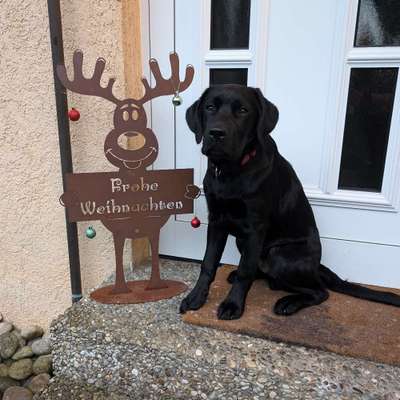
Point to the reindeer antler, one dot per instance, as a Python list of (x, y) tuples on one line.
[(90, 86), (166, 86)]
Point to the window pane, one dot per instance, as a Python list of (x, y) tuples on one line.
[(366, 132), (230, 23), (378, 23), (219, 76)]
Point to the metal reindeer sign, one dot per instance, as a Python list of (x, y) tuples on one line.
[(132, 202)]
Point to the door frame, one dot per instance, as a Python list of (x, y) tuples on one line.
[(345, 253)]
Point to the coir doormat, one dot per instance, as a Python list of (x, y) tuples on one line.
[(342, 324)]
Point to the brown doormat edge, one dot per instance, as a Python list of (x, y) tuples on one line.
[(343, 325)]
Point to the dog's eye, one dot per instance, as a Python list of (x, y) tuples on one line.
[(210, 107), (243, 110)]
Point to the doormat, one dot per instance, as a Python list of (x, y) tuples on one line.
[(343, 324)]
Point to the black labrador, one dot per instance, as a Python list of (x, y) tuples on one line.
[(254, 194)]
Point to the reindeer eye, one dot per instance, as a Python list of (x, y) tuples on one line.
[(135, 115), (125, 115)]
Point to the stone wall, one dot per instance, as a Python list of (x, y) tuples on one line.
[(34, 269)]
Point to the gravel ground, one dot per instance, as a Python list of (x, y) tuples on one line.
[(145, 351)]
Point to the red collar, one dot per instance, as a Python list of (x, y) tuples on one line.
[(246, 158)]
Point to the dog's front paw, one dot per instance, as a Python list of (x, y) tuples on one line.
[(194, 300), (229, 309)]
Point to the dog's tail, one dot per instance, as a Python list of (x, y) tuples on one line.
[(336, 284)]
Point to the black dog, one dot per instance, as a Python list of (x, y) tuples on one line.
[(254, 194)]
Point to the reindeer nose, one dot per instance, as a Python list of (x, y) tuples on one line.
[(131, 140), (217, 134)]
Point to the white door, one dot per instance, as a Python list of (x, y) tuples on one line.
[(331, 68)]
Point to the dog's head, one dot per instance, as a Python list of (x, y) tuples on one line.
[(231, 120)]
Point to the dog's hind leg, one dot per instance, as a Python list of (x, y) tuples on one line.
[(296, 270), (295, 302)]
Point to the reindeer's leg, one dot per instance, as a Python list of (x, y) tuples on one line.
[(120, 282), (155, 279)]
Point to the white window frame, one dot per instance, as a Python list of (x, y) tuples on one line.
[(327, 192)]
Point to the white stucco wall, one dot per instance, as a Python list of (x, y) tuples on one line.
[(34, 269)]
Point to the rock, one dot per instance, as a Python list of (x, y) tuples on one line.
[(392, 396), (38, 383), (198, 353), (31, 332), (22, 341), (25, 352), (6, 382), (8, 345), (5, 327), (3, 370), (21, 369), (42, 365), (41, 346), (250, 363), (231, 362), (17, 393)]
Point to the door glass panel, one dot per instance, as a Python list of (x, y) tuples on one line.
[(367, 126), (219, 76), (378, 23), (230, 23)]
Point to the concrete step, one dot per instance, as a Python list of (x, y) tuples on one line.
[(145, 351)]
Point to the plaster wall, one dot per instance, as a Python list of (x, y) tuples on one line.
[(34, 269)]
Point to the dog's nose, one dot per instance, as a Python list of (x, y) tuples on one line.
[(217, 134)]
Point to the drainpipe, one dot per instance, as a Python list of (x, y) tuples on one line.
[(57, 52)]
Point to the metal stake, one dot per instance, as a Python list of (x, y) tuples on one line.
[(57, 51)]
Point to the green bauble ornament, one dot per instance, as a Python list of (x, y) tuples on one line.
[(90, 232), (177, 100)]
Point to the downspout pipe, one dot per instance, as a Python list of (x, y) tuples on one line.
[(57, 52)]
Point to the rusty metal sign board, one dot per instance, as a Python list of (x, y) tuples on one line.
[(108, 195), (132, 202)]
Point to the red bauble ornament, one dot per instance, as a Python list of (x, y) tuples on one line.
[(74, 114), (195, 222)]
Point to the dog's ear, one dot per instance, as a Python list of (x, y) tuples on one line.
[(268, 116), (194, 118)]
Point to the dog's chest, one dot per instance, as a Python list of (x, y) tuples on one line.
[(226, 202), (233, 201), (227, 208)]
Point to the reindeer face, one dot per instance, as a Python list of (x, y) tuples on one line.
[(131, 145)]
